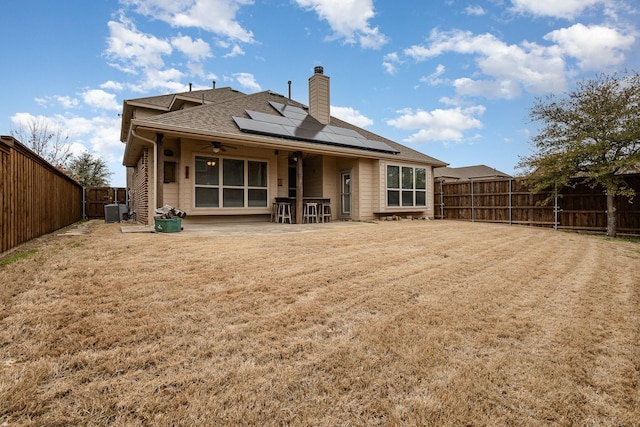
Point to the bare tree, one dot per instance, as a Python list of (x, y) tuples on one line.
[(48, 141)]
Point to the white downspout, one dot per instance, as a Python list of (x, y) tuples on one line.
[(155, 170)]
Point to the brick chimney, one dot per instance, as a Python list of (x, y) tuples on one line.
[(319, 96)]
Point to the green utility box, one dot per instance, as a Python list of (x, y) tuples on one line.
[(171, 225)]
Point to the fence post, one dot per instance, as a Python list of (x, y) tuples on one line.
[(555, 208), (510, 201), (473, 218), (441, 200), (84, 203)]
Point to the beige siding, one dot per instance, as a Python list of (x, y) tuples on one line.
[(143, 113), (277, 178), (171, 191), (171, 195), (366, 179), (282, 174), (430, 195), (344, 165), (426, 211), (313, 177), (330, 178), (321, 179)]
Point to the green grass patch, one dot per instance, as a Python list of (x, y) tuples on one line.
[(16, 257)]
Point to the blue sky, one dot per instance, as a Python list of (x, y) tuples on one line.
[(453, 79)]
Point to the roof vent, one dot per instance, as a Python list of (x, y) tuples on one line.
[(318, 69)]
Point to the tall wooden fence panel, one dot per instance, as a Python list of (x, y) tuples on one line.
[(510, 201), (35, 197)]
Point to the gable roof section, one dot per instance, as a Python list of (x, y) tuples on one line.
[(467, 173), (173, 102), (220, 117)]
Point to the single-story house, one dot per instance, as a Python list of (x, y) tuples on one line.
[(468, 173), (219, 154)]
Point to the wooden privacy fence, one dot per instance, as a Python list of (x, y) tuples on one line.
[(35, 197), (509, 201)]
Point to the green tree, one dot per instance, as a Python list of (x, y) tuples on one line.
[(89, 170), (592, 135)]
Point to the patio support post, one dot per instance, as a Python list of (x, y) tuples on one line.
[(299, 187), (160, 169)]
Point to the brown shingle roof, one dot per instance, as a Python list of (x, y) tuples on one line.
[(217, 116), (469, 172), (210, 95)]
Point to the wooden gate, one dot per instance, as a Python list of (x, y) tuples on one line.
[(97, 197)]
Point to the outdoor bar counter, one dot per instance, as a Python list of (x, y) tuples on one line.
[(323, 203)]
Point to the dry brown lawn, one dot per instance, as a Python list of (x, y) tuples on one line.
[(395, 323)]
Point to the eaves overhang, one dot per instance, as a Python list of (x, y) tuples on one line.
[(253, 140)]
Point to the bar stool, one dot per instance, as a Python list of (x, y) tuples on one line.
[(274, 212), (325, 213), (310, 213), (284, 212)]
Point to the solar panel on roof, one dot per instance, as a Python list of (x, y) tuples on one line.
[(295, 123), (255, 126), (270, 118)]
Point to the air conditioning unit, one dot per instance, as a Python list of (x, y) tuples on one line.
[(115, 212)]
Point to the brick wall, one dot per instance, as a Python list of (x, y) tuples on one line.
[(140, 189)]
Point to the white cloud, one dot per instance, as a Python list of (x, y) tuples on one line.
[(132, 49), (100, 99), (474, 10), (217, 16), (111, 85), (434, 78), (247, 80), (537, 69), (235, 51), (506, 89), (22, 120), (104, 138), (195, 50), (170, 80), (67, 102), (98, 134), (447, 125), (351, 115), (349, 20), (594, 47), (555, 8), (372, 38), (390, 62)]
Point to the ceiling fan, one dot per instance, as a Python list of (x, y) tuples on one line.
[(218, 146)]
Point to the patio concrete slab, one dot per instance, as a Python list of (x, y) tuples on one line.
[(190, 229)]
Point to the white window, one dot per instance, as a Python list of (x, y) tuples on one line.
[(406, 186), (230, 183)]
